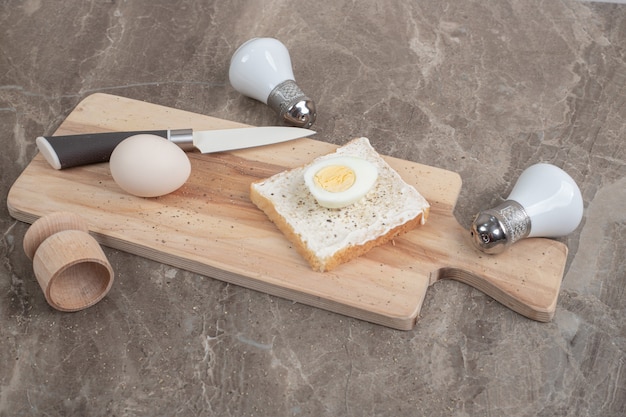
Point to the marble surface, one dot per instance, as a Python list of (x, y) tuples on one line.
[(482, 88)]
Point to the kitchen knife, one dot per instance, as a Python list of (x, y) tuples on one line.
[(91, 148)]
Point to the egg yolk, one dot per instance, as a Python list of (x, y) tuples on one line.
[(335, 178)]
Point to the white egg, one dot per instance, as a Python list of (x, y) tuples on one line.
[(149, 166), (340, 181)]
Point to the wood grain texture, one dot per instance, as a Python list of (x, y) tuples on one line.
[(71, 268), (47, 226), (209, 226)]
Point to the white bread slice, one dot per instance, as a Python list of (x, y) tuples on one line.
[(327, 237)]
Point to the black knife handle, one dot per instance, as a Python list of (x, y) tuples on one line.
[(74, 150)]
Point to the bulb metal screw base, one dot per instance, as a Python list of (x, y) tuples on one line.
[(292, 105), (495, 229)]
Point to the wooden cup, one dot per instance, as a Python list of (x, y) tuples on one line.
[(70, 266)]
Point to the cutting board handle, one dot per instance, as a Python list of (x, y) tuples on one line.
[(525, 278)]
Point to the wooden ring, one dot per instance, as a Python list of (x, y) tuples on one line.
[(71, 268)]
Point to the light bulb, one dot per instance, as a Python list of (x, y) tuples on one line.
[(545, 202), (261, 69)]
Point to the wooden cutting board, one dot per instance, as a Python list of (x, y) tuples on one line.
[(209, 226)]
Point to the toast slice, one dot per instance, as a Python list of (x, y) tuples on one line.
[(328, 237)]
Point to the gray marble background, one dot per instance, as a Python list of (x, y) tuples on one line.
[(484, 88)]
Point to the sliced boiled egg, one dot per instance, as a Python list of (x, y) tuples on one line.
[(340, 181)]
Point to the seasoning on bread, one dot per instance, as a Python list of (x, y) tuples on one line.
[(327, 237)]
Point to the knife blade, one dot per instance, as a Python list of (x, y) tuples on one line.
[(90, 148)]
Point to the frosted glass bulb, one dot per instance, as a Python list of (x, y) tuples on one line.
[(545, 202), (261, 69)]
